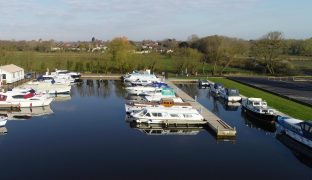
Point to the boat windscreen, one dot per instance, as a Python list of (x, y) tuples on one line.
[(233, 92)]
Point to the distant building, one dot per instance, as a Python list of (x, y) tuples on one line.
[(11, 73)]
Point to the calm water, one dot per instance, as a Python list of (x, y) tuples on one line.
[(87, 138)]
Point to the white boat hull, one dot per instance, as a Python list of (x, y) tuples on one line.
[(3, 121), (297, 137)]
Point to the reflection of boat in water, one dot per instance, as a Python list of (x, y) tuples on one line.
[(157, 129), (300, 151), (3, 130), (27, 113), (255, 123), (62, 97)]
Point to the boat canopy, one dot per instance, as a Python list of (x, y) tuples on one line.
[(167, 92), (232, 92)]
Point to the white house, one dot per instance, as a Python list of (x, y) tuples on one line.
[(11, 73)]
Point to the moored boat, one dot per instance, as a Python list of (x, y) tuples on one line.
[(257, 108), (3, 120), (216, 88), (21, 99), (165, 93), (162, 115), (299, 130), (133, 106), (231, 95)]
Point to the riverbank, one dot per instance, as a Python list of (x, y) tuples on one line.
[(286, 106)]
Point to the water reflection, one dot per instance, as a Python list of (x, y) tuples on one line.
[(255, 123), (300, 151), (62, 97), (158, 129), (3, 131), (100, 88), (27, 113)]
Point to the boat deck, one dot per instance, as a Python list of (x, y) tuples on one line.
[(221, 128)]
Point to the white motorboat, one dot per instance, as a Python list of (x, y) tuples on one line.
[(145, 90), (74, 75), (55, 79), (299, 130), (60, 76), (22, 99), (231, 95), (141, 76), (165, 93), (258, 109), (203, 83), (3, 120), (162, 115), (133, 106), (141, 90)]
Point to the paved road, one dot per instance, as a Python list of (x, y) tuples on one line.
[(300, 91)]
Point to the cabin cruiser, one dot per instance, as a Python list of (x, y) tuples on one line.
[(216, 88), (136, 76), (60, 76), (53, 80), (203, 83), (140, 82), (3, 120), (164, 93), (133, 106), (74, 75), (297, 129), (258, 109), (231, 95), (46, 87), (143, 90), (22, 99), (162, 115)]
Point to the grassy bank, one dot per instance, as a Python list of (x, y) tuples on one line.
[(284, 105)]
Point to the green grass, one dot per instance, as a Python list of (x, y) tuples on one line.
[(286, 106), (40, 61)]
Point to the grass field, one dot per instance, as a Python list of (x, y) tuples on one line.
[(95, 62), (286, 106)]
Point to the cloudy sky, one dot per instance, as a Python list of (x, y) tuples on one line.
[(152, 19)]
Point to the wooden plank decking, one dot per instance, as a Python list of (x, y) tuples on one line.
[(221, 128)]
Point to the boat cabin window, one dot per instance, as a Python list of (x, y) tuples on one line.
[(256, 103), (157, 114), (18, 97), (187, 115), (148, 115), (174, 115)]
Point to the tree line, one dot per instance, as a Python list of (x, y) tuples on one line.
[(212, 54)]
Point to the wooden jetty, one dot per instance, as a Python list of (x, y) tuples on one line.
[(221, 128)]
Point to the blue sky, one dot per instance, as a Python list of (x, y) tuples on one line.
[(72, 20)]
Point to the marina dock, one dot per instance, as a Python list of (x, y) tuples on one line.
[(221, 128)]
